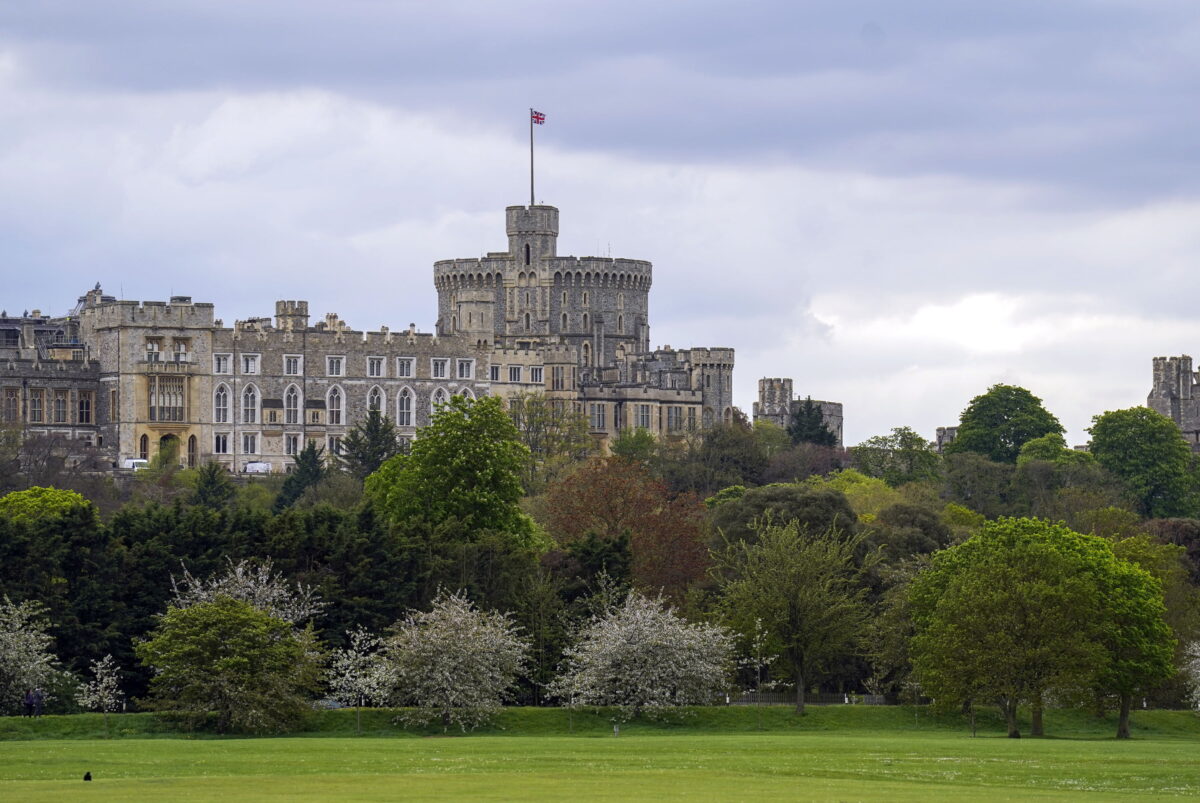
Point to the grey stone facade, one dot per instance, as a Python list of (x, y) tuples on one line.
[(154, 374), (776, 403), (1176, 394)]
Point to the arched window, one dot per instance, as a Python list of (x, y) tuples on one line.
[(375, 399), (564, 322), (404, 408), (250, 405), (144, 447), (527, 298), (564, 301), (587, 354), (585, 322), (221, 405), (453, 323), (527, 322), (620, 324), (466, 393), (585, 298), (333, 404), (620, 301), (526, 253), (191, 453), (440, 397), (291, 405)]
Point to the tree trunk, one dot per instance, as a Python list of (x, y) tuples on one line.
[(1009, 707), (1035, 727), (358, 718), (1123, 719), (799, 693)]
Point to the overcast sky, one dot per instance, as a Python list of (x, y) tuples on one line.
[(895, 203)]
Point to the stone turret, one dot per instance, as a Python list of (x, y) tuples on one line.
[(1174, 395), (291, 316)]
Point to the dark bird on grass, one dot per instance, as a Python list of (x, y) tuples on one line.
[(87, 776)]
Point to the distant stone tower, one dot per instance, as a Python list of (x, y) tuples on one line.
[(1175, 395), (776, 404), (529, 295)]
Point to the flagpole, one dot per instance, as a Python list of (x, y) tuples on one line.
[(531, 156)]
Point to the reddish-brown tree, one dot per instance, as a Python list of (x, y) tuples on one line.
[(608, 497)]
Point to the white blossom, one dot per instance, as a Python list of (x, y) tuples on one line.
[(26, 661), (644, 659), (359, 674), (454, 663), (254, 584), (103, 692), (1191, 671)]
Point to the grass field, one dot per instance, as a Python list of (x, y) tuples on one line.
[(832, 754)]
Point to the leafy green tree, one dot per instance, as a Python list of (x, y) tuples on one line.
[(466, 465), (555, 433), (213, 487), (899, 457), (978, 483), (999, 422), (730, 454), (226, 657), (636, 445), (307, 471), (804, 589), (807, 425), (816, 509), (1148, 452), (368, 444)]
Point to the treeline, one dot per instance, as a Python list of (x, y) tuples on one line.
[(731, 526)]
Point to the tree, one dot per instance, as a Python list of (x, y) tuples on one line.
[(978, 483), (635, 445), (815, 509), (252, 670), (103, 692), (213, 487), (466, 465), (807, 425), (643, 658), (1148, 452), (357, 674), (252, 583), (26, 660), (998, 423), (612, 499), (308, 470), (369, 443), (805, 588), (900, 457), (555, 433), (454, 663)]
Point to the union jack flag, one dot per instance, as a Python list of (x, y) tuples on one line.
[(538, 117)]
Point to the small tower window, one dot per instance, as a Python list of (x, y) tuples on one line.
[(527, 322), (585, 322), (564, 322), (526, 253)]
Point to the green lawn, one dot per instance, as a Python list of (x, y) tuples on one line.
[(837, 754)]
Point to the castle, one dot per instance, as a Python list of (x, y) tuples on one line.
[(776, 403), (123, 380), (1176, 394)]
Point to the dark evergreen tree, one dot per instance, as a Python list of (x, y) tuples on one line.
[(308, 471), (213, 487), (368, 444), (807, 425)]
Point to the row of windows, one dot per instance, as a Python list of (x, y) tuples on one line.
[(598, 417), (293, 365), (249, 410), (515, 372), (49, 406)]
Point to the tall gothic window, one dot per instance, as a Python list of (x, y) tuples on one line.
[(291, 406), (221, 405), (334, 405), (440, 397), (375, 399), (404, 408), (250, 405)]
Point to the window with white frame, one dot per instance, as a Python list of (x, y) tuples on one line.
[(374, 366), (674, 419), (333, 365), (335, 444), (293, 364), (291, 444), (250, 405), (333, 405), (404, 408), (250, 363), (291, 405), (221, 443), (599, 419), (221, 405), (222, 363), (643, 416), (440, 397), (249, 443), (153, 351), (466, 369), (437, 368), (535, 375), (375, 400), (404, 367), (514, 373), (494, 373)]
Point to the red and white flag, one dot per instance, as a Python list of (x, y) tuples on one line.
[(537, 117)]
